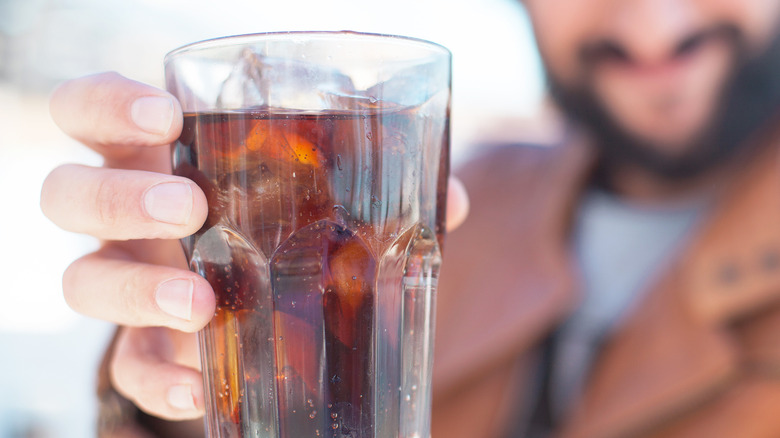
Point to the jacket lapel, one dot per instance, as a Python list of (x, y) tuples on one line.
[(677, 349), (510, 280)]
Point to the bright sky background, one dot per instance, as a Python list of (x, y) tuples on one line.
[(50, 353), (496, 69)]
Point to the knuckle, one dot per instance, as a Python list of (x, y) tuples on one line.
[(105, 94), (102, 87), (87, 94), (134, 291), (108, 204)]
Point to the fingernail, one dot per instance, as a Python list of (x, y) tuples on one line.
[(153, 114), (180, 397), (169, 202), (174, 297)]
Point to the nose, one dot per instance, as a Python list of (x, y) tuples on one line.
[(651, 30)]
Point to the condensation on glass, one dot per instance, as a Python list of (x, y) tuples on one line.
[(324, 159)]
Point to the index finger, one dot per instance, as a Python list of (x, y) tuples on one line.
[(116, 116)]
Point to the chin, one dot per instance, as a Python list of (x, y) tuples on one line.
[(680, 144)]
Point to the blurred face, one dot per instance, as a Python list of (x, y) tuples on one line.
[(655, 75)]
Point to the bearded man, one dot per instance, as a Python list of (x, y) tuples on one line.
[(622, 283), (626, 282)]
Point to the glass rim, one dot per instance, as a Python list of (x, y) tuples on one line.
[(235, 40)]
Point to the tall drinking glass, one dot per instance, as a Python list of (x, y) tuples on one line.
[(324, 158)]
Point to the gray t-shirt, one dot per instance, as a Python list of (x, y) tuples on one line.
[(620, 247)]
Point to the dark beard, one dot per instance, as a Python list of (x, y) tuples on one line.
[(750, 99)]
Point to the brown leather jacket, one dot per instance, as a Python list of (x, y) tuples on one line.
[(700, 357)]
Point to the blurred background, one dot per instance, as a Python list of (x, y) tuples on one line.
[(48, 353)]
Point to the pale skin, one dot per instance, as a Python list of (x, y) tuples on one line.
[(138, 278)]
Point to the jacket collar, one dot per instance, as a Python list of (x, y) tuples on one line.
[(510, 281), (735, 263), (675, 349)]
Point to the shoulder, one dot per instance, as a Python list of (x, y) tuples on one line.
[(512, 170), (492, 158)]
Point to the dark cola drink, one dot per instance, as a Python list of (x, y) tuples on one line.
[(322, 244)]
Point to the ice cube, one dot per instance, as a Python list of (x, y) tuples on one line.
[(258, 80), (412, 86), (349, 101), (242, 86), (330, 258)]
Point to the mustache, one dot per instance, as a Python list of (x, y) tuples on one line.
[(610, 50), (749, 101)]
